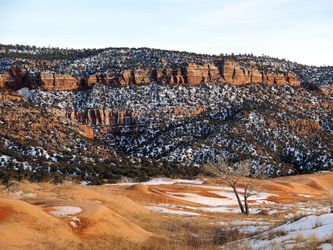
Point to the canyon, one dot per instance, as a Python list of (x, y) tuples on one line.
[(159, 112)]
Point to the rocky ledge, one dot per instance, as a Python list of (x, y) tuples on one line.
[(225, 71)]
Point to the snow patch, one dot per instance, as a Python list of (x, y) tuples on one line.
[(320, 227), (160, 181), (169, 211), (62, 211), (24, 92)]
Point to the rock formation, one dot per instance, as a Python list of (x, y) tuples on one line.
[(49, 81), (14, 78), (226, 71), (233, 74), (103, 117)]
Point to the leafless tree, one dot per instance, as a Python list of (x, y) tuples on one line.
[(239, 175)]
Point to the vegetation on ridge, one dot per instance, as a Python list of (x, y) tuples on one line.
[(161, 130)]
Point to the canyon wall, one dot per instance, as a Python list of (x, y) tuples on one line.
[(103, 117), (109, 117), (226, 71)]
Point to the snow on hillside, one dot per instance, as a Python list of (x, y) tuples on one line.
[(264, 123), (315, 229), (286, 129)]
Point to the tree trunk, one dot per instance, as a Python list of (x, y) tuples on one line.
[(246, 205), (239, 200)]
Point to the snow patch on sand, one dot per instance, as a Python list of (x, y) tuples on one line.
[(169, 211), (62, 211), (227, 198), (159, 181)]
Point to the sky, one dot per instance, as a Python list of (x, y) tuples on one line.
[(297, 30)]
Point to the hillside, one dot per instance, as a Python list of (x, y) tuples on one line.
[(177, 109), (38, 146)]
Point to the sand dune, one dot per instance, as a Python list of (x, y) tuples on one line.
[(49, 215), (314, 184), (24, 224), (39, 223)]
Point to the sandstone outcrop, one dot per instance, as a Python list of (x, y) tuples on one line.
[(14, 78), (226, 71), (18, 77), (49, 81), (109, 117), (233, 74), (103, 117)]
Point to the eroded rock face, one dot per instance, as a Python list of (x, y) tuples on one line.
[(233, 74), (17, 78), (103, 117), (109, 117), (227, 71), (49, 81), (14, 78)]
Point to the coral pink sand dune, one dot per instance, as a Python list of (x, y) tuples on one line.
[(23, 224), (313, 184), (46, 215), (51, 220)]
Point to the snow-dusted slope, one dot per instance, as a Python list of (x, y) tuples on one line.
[(284, 128), (310, 230), (288, 129)]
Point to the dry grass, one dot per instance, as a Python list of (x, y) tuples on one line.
[(313, 242), (300, 239), (310, 243), (193, 233)]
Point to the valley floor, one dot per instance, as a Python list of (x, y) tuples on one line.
[(289, 213)]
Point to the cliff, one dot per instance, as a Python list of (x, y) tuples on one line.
[(226, 71), (18, 77), (108, 117), (103, 117), (233, 74)]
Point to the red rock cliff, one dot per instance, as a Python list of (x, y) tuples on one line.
[(226, 71), (233, 74), (103, 117)]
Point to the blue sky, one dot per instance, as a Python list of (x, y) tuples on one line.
[(298, 30)]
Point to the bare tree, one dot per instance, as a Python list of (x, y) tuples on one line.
[(236, 175)]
